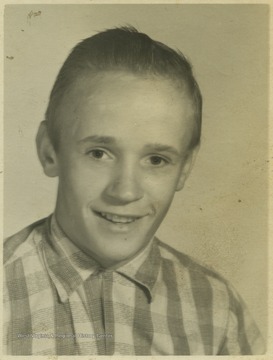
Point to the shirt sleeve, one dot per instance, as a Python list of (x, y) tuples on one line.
[(242, 334)]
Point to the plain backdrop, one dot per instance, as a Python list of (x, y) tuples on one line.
[(220, 217)]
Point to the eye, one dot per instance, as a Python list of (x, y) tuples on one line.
[(97, 154), (157, 160)]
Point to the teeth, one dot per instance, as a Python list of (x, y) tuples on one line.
[(117, 218)]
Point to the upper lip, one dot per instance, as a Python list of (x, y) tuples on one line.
[(117, 219), (136, 216)]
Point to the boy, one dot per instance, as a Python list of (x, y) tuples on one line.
[(122, 130)]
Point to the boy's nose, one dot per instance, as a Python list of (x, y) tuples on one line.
[(125, 185)]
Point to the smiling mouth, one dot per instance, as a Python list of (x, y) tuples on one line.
[(117, 219)]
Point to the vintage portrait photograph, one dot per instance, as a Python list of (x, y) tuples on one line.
[(135, 179)]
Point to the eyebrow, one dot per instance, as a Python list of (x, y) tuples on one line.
[(98, 139), (162, 148)]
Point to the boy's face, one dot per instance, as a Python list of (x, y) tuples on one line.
[(122, 156)]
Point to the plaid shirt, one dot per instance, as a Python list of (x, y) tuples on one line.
[(58, 301)]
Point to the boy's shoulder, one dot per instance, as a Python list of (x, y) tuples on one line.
[(196, 270), (19, 244)]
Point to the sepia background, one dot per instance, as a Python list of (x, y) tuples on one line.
[(220, 217)]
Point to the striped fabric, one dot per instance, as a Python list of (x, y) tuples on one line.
[(58, 301)]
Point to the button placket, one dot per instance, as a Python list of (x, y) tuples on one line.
[(108, 311)]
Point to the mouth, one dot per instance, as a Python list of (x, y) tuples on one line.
[(117, 219)]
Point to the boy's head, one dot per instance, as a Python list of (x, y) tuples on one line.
[(122, 127), (122, 50)]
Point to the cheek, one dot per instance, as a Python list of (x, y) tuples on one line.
[(162, 186), (77, 174), (161, 195)]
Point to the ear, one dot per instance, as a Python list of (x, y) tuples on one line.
[(186, 169), (46, 152)]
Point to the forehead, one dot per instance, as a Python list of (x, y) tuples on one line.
[(115, 82), (116, 99)]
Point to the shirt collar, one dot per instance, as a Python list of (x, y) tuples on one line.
[(68, 266)]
